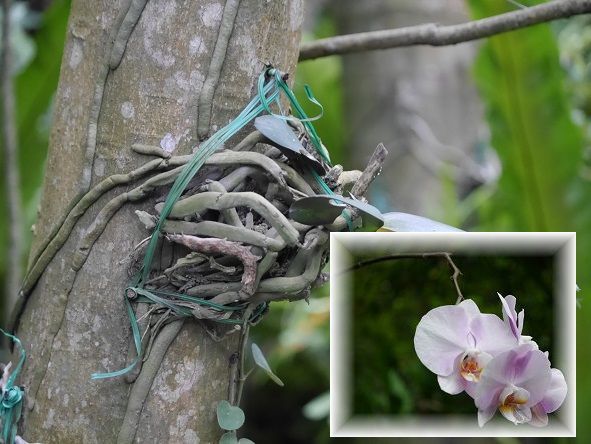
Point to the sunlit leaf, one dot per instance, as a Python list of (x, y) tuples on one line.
[(230, 417), (412, 222), (261, 361)]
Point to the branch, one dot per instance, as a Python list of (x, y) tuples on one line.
[(434, 34), (447, 256)]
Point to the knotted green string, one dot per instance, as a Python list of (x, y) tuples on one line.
[(12, 396)]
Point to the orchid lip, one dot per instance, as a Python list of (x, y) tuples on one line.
[(472, 364), (513, 402)]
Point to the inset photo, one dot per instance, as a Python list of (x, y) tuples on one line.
[(452, 334)]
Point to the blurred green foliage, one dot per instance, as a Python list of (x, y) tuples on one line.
[(35, 83), (389, 299), (531, 101)]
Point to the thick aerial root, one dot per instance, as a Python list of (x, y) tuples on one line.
[(201, 202), (144, 381)]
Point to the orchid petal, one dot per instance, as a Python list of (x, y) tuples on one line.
[(532, 372), (522, 367), (441, 336), (492, 335), (509, 314), (556, 392), (452, 384), (488, 391), (485, 415), (539, 418), (515, 395), (516, 414), (520, 320)]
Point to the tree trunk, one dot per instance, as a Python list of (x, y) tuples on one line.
[(420, 102), (74, 322)]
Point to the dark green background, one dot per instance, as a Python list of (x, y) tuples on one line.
[(389, 299)]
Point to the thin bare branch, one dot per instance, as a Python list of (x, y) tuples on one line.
[(454, 277), (434, 34)]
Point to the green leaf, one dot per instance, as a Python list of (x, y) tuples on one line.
[(229, 438), (412, 222), (318, 408), (245, 441), (230, 417), (324, 209), (316, 211), (521, 81), (399, 389), (260, 360)]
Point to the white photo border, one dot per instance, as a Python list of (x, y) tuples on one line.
[(562, 246)]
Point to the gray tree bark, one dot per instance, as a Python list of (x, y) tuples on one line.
[(420, 102), (75, 323)]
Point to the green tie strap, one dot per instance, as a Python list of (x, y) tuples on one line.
[(12, 396)]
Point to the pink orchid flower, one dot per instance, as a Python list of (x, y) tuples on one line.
[(514, 382), (456, 342), (553, 399)]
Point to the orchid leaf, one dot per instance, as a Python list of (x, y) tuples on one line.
[(230, 417), (261, 361), (316, 210), (411, 222), (278, 132), (283, 137), (324, 209)]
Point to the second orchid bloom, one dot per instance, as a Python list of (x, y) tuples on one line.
[(491, 360)]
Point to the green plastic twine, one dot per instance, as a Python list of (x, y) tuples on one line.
[(12, 396), (211, 145), (307, 122)]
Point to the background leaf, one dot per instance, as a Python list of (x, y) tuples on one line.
[(260, 360), (319, 407)]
